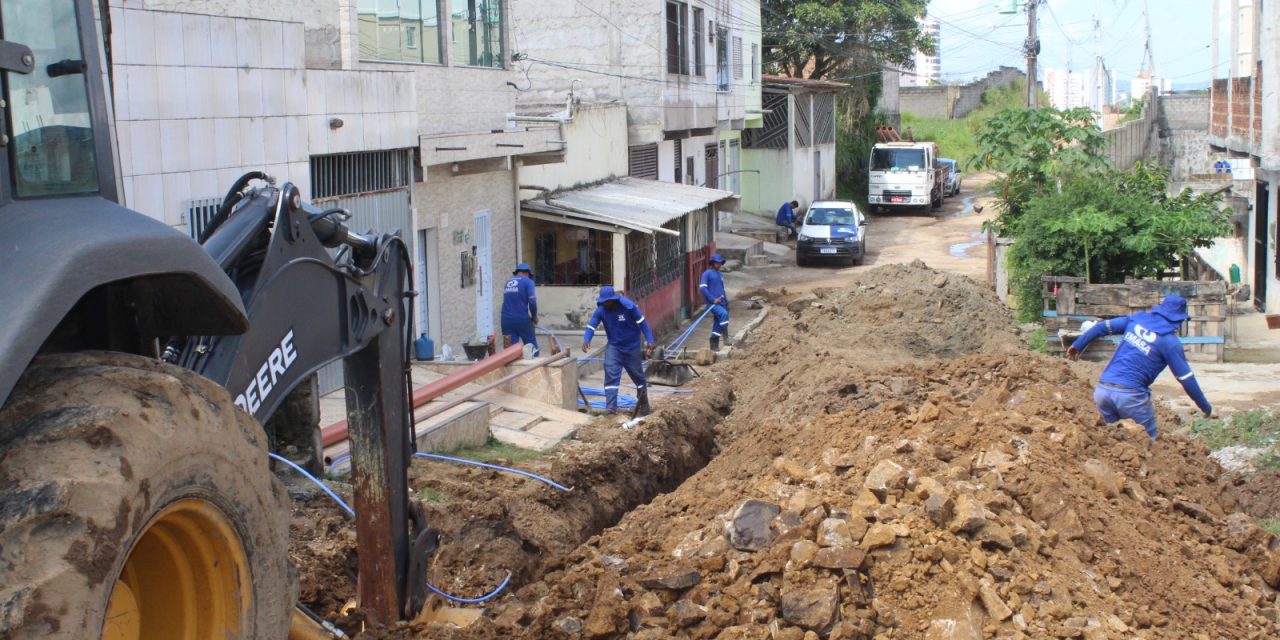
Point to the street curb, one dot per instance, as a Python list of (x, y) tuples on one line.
[(742, 333)]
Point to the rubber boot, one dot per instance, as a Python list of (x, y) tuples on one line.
[(715, 343), (727, 341), (642, 403)]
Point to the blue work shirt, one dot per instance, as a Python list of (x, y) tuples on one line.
[(625, 325), (1149, 344), (519, 300), (712, 287), (786, 215)]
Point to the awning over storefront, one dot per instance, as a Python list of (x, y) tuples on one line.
[(635, 204)]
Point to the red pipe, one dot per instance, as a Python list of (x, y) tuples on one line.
[(337, 432)]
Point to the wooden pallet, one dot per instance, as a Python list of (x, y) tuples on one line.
[(1069, 301)]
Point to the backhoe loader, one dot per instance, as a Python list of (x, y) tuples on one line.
[(139, 366)]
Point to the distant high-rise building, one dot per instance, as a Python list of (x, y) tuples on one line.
[(928, 68)]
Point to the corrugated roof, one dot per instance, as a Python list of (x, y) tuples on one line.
[(804, 84), (634, 203)]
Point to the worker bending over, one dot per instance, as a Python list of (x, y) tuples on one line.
[(712, 288), (520, 307), (786, 218), (629, 341), (1150, 343)]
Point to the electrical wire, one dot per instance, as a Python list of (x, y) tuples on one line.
[(342, 503), (492, 467)]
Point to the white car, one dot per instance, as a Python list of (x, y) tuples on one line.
[(833, 229), (952, 187)]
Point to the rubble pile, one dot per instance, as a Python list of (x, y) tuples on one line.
[(987, 503)]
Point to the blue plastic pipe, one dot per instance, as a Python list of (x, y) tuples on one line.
[(494, 467), (351, 512)]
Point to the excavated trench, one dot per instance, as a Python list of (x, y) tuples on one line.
[(495, 524)]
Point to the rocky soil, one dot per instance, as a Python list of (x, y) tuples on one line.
[(892, 465)]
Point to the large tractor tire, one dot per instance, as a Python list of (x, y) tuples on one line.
[(136, 503)]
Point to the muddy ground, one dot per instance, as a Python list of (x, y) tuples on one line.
[(882, 460)]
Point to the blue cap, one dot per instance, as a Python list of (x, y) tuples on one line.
[(1173, 308), (523, 266), (715, 257), (606, 294)]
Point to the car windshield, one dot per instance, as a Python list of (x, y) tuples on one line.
[(897, 159), (829, 217), (950, 163)]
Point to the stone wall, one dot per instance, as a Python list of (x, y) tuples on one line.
[(953, 100), (1185, 140)]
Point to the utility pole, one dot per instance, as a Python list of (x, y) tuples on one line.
[(1098, 71), (1032, 48)]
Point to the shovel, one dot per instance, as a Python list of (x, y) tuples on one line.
[(662, 371)]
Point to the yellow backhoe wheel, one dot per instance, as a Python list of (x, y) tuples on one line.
[(136, 504)]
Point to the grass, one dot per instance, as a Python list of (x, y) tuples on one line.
[(1271, 526), (428, 494), (1036, 341), (957, 138), (1254, 428), (494, 450)]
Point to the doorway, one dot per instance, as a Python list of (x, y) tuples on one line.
[(1261, 241), (484, 275)]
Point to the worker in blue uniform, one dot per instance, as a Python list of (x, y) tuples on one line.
[(1150, 343), (629, 341), (520, 307), (712, 288), (786, 217)]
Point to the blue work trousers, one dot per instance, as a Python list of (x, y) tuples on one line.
[(720, 321), (615, 360), (521, 330), (1116, 404)]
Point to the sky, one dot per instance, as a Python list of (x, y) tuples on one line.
[(976, 38)]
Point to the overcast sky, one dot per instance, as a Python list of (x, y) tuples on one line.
[(976, 38)]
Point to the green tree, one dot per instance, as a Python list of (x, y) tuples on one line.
[(1035, 149), (1105, 226), (806, 39)]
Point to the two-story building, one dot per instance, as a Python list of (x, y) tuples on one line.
[(1244, 138)]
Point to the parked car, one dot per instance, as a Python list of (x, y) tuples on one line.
[(833, 229), (952, 187)]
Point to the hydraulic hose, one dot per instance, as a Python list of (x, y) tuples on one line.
[(459, 599), (229, 202)]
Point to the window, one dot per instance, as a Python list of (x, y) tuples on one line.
[(737, 58), (688, 171), (699, 49), (52, 153), (889, 159), (477, 33), (399, 30), (679, 162), (678, 38), (642, 161), (722, 59), (755, 62)]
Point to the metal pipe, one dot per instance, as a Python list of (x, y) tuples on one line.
[(337, 432), (421, 416)]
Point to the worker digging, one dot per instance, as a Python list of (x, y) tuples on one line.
[(520, 307), (1150, 344), (712, 288), (629, 341)]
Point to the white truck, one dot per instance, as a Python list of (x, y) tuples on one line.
[(905, 174)]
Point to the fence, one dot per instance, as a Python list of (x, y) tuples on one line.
[(1069, 302)]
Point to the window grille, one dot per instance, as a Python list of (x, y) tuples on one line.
[(642, 161), (824, 118), (773, 135), (737, 58), (803, 123), (199, 212), (345, 174)]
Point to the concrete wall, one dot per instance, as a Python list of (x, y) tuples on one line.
[(447, 203), (567, 307), (775, 179), (322, 35), (1185, 148), (200, 100), (695, 148), (596, 150), (953, 100), (1132, 141), (803, 170)]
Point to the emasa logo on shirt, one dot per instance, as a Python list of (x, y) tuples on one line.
[(1141, 338)]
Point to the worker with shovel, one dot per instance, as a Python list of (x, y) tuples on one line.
[(712, 288), (520, 307), (630, 341), (1150, 344)]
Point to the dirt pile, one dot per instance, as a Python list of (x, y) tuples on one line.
[(984, 501)]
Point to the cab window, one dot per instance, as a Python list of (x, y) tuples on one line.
[(51, 149)]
